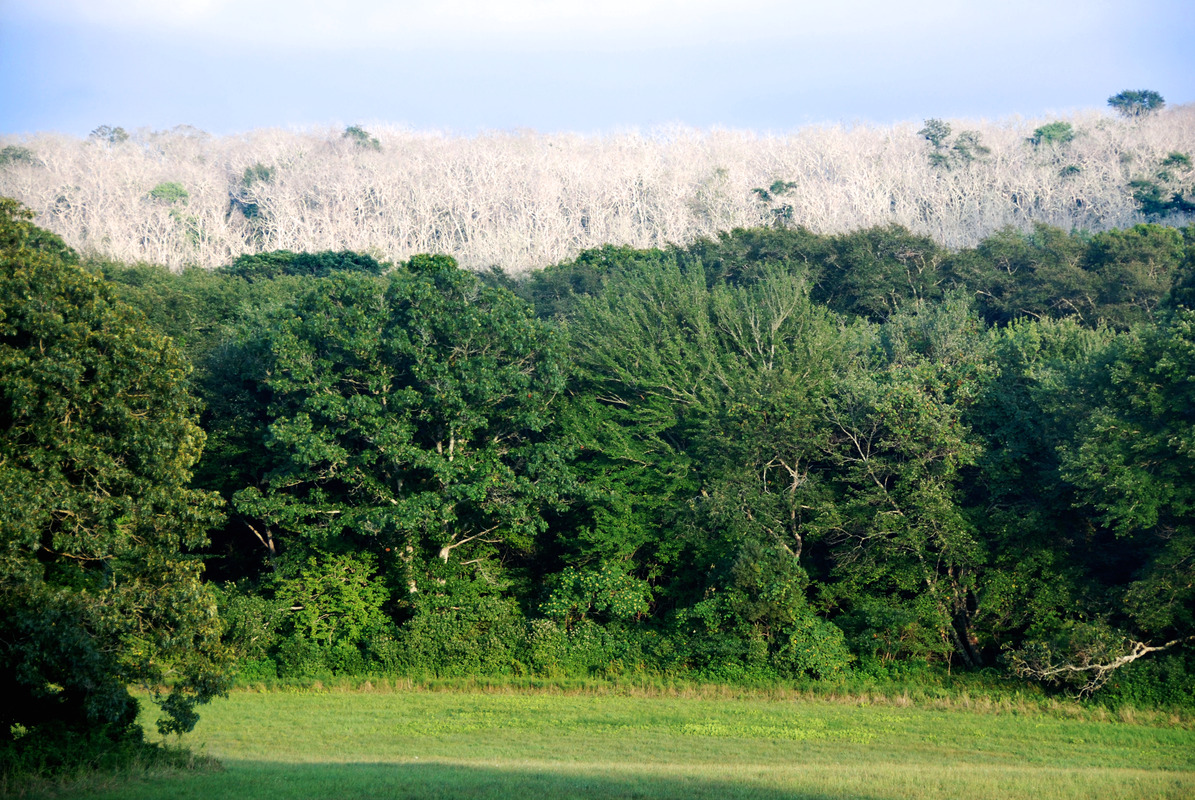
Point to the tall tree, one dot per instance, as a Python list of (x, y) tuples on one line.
[(1134, 103), (897, 525), (405, 417), (98, 434)]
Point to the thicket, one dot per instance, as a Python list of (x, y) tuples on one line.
[(771, 455), (522, 201)]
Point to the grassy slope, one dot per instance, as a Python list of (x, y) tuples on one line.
[(441, 745)]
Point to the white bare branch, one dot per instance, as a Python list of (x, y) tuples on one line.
[(523, 200)]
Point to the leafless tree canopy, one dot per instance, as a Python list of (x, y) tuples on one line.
[(525, 200)]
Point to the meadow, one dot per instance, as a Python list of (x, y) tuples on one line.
[(367, 743)]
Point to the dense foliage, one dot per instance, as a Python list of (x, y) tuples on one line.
[(100, 586), (770, 455)]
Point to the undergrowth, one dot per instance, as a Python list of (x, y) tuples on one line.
[(68, 769)]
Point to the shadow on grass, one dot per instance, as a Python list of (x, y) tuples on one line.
[(257, 780)]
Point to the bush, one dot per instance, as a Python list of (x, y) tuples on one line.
[(608, 592), (255, 670), (1166, 682), (485, 638), (300, 658), (812, 646)]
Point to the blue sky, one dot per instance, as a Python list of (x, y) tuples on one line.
[(570, 65)]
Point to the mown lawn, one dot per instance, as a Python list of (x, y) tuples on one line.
[(414, 744)]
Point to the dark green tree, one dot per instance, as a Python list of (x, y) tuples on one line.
[(1040, 561), (109, 134), (1134, 269), (404, 417), (1052, 133), (875, 272), (1136, 103), (98, 585), (277, 263), (965, 148), (1131, 459), (16, 154), (1040, 274), (1169, 190), (897, 525), (362, 138), (699, 436)]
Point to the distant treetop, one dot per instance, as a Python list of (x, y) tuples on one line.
[(362, 138), (109, 134), (1137, 103)]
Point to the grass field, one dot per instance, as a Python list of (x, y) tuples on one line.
[(419, 744)]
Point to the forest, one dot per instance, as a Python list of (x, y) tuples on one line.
[(775, 454), (770, 455)]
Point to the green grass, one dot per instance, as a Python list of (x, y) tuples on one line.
[(522, 745)]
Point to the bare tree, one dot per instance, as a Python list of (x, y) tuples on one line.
[(1084, 658), (524, 200)]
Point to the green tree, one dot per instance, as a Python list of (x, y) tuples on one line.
[(780, 212), (16, 154), (965, 148), (1169, 190), (405, 416), (362, 138), (936, 132), (1039, 570), (873, 273), (98, 587), (1129, 455), (276, 263), (109, 134), (1052, 133), (1134, 269), (897, 525), (170, 192), (1136, 103), (1035, 275), (698, 437)]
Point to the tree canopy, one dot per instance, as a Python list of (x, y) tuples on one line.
[(1136, 102), (767, 455), (100, 579)]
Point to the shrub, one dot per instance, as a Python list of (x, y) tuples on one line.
[(485, 638)]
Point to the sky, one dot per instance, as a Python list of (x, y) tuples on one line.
[(589, 66)]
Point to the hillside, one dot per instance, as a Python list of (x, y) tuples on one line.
[(523, 200)]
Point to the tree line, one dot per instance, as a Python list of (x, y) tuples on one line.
[(770, 455)]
